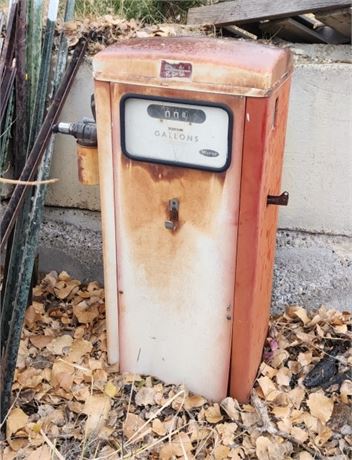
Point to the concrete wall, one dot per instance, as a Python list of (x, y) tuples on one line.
[(318, 158)]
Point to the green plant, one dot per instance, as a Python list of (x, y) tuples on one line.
[(150, 11)]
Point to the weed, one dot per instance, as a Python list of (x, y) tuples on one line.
[(149, 11)]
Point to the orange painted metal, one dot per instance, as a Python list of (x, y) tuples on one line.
[(263, 147), (88, 169)]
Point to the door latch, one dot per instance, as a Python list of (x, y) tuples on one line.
[(174, 205), (278, 200)]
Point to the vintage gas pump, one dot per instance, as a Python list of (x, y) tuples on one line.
[(191, 136)]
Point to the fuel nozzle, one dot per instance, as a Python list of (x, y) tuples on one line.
[(84, 131)]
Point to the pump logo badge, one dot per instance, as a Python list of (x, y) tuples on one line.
[(175, 69), (209, 153)]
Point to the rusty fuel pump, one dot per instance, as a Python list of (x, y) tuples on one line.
[(191, 135)]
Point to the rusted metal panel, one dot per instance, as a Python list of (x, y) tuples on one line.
[(264, 137), (103, 116), (195, 64), (175, 288), (88, 169)]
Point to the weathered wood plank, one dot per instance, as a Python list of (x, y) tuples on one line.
[(242, 11), (327, 33), (292, 30), (238, 32), (339, 20)]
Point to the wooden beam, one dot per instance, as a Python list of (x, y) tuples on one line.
[(238, 32), (242, 11), (291, 29), (339, 20)]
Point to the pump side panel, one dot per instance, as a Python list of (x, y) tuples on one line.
[(263, 149), (102, 99), (176, 288)]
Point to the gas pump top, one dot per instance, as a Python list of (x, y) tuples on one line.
[(222, 65)]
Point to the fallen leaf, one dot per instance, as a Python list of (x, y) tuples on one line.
[(193, 401), (312, 423), (132, 425), (281, 411), (267, 386), (57, 345), (42, 453), (341, 329), (267, 370), (296, 396), (221, 452), (158, 427), (213, 414), (97, 408), (299, 434), (62, 291), (145, 396), (305, 456), (320, 406), (33, 314), (271, 449), (18, 443), (16, 420), (283, 376), (231, 407), (79, 348), (108, 453), (323, 436), (179, 445), (305, 358), (299, 312), (40, 341), (238, 453), (8, 454), (30, 377), (280, 356), (249, 418), (110, 389), (62, 375), (22, 355), (227, 432), (346, 391), (85, 313)]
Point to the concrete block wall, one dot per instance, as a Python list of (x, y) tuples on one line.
[(314, 246), (318, 154)]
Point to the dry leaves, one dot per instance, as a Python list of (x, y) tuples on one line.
[(68, 398), (97, 408), (108, 29)]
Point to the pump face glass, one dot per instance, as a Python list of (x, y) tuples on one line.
[(175, 132)]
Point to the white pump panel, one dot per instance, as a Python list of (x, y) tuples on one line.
[(171, 132)]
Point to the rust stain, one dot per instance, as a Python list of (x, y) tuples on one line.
[(88, 169), (144, 191)]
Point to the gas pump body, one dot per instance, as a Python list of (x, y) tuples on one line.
[(191, 137)]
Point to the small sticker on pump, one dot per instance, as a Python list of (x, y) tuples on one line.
[(175, 69)]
